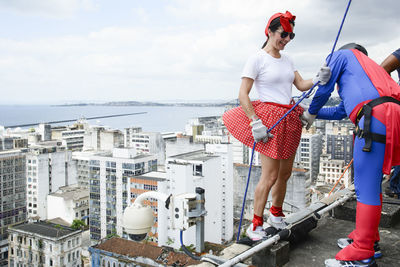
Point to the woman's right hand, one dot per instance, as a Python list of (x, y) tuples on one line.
[(260, 131)]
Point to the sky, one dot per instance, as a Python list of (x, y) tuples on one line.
[(74, 51)]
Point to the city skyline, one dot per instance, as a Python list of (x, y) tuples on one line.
[(73, 51)]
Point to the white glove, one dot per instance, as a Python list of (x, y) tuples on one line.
[(259, 131), (307, 119), (323, 75)]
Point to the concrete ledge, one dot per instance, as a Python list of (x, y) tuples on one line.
[(277, 255), (390, 212)]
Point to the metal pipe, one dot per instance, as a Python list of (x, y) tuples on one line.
[(283, 233)]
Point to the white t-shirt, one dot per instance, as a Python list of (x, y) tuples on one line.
[(273, 77)]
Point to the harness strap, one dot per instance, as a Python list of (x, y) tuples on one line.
[(366, 111)]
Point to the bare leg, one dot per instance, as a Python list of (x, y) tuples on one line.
[(269, 175), (278, 191)]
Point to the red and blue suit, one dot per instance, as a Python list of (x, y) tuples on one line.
[(360, 80)]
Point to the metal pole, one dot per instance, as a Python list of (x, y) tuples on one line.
[(200, 220)]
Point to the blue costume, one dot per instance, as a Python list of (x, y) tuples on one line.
[(359, 81)]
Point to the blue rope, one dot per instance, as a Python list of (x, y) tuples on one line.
[(304, 95), (245, 192)]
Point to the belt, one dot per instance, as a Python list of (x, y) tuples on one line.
[(366, 111)]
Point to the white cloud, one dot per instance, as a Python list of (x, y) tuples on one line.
[(48, 8), (199, 56)]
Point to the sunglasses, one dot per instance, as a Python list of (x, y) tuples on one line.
[(285, 34)]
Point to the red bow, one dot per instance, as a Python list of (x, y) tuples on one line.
[(284, 19)]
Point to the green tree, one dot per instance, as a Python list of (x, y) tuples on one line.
[(78, 224)]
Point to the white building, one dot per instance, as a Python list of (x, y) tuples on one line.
[(69, 203), (145, 142), (44, 244), (101, 138), (331, 170), (109, 188), (308, 153), (48, 167), (213, 173)]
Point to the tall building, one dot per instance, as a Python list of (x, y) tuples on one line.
[(109, 188), (209, 171), (44, 244), (308, 153), (12, 195), (48, 167), (69, 203)]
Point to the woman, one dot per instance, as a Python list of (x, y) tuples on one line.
[(272, 74)]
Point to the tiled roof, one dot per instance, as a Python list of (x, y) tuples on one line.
[(133, 249), (45, 229)]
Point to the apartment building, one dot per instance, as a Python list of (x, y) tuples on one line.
[(109, 188), (49, 166), (151, 181), (12, 195), (308, 153)]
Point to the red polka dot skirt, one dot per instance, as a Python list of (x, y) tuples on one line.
[(286, 134)]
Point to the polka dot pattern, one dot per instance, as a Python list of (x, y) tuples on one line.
[(287, 133)]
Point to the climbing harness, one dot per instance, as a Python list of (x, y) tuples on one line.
[(366, 111), (304, 95)]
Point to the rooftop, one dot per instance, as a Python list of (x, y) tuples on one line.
[(71, 192), (44, 228), (164, 256), (321, 244), (199, 155), (157, 176)]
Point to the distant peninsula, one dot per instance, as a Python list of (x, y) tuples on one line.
[(333, 101), (142, 104)]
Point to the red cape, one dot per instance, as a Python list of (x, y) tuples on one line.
[(387, 113)]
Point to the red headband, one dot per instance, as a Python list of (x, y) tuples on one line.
[(284, 19)]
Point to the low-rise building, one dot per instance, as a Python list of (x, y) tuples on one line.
[(124, 253), (69, 203), (44, 244)]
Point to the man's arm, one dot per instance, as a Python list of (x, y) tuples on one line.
[(392, 62)]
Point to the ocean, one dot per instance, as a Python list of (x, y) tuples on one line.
[(157, 119)]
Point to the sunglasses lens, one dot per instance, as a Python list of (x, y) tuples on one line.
[(292, 35), (284, 34)]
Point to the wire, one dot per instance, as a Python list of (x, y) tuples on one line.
[(337, 182)]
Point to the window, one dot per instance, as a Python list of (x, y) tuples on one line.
[(197, 170)]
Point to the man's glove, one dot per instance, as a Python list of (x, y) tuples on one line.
[(307, 119), (323, 75), (259, 131)]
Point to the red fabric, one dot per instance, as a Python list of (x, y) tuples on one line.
[(352, 235), (277, 211), (364, 236), (284, 20), (286, 134), (257, 221), (387, 113)]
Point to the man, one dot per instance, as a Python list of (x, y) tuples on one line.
[(390, 64), (370, 98)]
